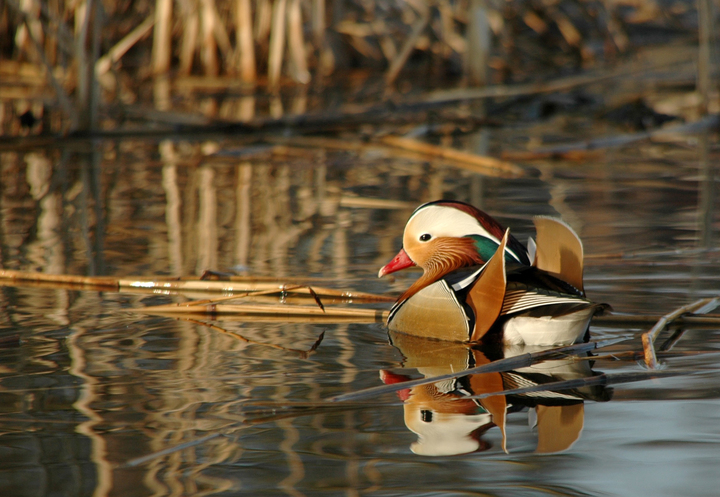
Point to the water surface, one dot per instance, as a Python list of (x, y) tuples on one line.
[(93, 383)]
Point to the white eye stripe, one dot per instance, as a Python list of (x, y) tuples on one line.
[(446, 221)]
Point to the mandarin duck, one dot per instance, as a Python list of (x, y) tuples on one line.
[(479, 283)]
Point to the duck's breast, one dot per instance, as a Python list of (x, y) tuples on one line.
[(433, 312)]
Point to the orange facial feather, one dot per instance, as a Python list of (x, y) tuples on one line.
[(439, 257)]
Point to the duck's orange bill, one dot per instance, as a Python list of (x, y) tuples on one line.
[(400, 261)]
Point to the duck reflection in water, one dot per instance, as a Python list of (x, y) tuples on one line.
[(451, 417)]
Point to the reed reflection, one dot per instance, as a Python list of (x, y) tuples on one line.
[(453, 416)]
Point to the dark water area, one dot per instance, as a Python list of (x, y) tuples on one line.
[(93, 383)]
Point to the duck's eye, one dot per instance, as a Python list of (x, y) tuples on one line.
[(426, 416), (425, 237)]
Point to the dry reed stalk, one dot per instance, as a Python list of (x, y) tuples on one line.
[(244, 41), (279, 312), (82, 92), (30, 27), (240, 285), (296, 44), (706, 27), (387, 45), (162, 36), (570, 155), (277, 43), (63, 98), (701, 306), (208, 48), (219, 31), (479, 43), (263, 21), (106, 282), (321, 142), (255, 294), (317, 22), (456, 155), (567, 28), (399, 61), (189, 35), (120, 48)]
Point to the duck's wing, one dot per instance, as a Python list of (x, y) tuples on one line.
[(486, 296), (522, 297), (559, 251), (540, 309)]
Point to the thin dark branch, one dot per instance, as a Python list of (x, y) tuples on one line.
[(501, 365)]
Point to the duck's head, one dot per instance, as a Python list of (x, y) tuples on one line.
[(446, 235)]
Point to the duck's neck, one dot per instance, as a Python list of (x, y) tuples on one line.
[(449, 255)]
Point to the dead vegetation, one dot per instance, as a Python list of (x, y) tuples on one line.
[(74, 66)]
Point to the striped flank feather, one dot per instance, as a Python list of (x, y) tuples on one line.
[(524, 299)]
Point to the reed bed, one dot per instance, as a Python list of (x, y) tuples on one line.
[(63, 63)]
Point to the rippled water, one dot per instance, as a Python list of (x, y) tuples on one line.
[(93, 383)]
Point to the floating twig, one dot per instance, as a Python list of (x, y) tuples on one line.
[(277, 312), (648, 338)]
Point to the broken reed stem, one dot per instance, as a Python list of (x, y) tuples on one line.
[(189, 36), (648, 338), (296, 44), (162, 36), (244, 41), (399, 61), (116, 52), (208, 47), (705, 60), (277, 44)]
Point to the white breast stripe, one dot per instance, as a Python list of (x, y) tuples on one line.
[(523, 300), (467, 281)]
